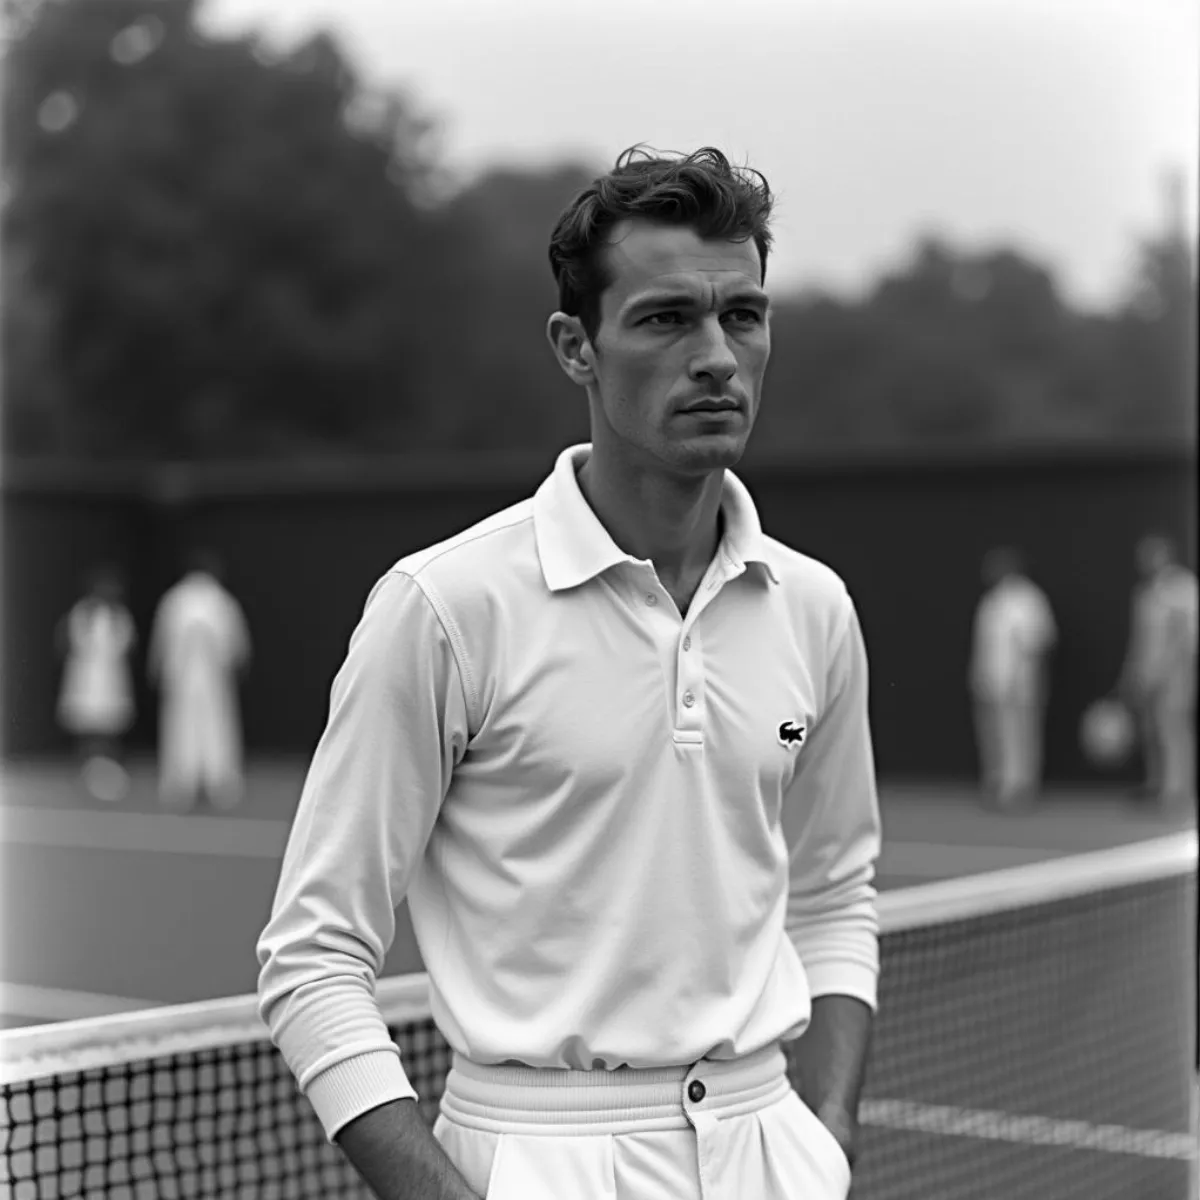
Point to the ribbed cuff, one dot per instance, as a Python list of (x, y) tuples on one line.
[(844, 979), (357, 1085)]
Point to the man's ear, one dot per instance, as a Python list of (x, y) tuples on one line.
[(572, 348)]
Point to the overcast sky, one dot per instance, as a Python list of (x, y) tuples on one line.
[(1048, 123)]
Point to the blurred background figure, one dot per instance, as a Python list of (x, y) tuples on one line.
[(1158, 678), (96, 705), (199, 646), (1014, 634)]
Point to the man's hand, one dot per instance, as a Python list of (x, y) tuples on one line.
[(394, 1150), (844, 1129), (828, 1064)]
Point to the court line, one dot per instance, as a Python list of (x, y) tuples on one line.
[(63, 1004), (154, 833), (1021, 1130), (264, 838)]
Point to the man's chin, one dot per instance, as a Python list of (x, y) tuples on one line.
[(713, 452)]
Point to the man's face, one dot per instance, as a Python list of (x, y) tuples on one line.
[(681, 347)]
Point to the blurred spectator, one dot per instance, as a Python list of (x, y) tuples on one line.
[(96, 705), (1009, 678), (1158, 678), (199, 645)]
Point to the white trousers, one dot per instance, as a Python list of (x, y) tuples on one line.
[(1009, 734), (713, 1131), (200, 749), (1167, 718)]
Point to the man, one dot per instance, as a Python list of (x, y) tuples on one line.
[(1158, 678), (612, 745), (1009, 678), (96, 703), (199, 646)]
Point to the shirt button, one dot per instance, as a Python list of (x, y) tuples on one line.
[(651, 599), (688, 699), (696, 1091), (687, 642)]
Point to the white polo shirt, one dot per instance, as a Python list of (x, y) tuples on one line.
[(1164, 629), (1014, 631), (625, 837)]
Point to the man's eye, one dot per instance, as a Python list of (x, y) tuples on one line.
[(746, 316), (663, 318)]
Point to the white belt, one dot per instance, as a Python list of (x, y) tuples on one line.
[(517, 1099)]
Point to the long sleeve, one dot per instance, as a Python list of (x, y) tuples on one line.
[(397, 726), (832, 825), (1049, 637), (239, 635)]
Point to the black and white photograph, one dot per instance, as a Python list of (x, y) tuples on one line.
[(599, 601)]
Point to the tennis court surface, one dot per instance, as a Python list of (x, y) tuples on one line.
[(1035, 1036)]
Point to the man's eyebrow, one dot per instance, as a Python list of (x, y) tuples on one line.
[(754, 299), (662, 300)]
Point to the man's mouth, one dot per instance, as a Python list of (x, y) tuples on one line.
[(714, 406)]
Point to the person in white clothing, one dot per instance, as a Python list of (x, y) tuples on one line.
[(1014, 635), (96, 702), (199, 647), (1158, 677), (612, 746)]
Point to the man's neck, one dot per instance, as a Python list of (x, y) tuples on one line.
[(674, 521)]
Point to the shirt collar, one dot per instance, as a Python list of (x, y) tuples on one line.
[(574, 547)]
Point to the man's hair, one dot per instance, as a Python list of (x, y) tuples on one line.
[(106, 577), (203, 558), (1001, 561), (1154, 552), (1157, 542), (702, 191)]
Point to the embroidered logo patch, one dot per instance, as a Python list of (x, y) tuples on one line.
[(791, 734)]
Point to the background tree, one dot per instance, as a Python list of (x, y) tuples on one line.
[(230, 239), (519, 398), (963, 348), (215, 248), (1152, 354)]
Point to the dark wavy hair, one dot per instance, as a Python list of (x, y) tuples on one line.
[(702, 191)]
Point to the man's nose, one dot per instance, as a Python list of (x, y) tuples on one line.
[(714, 359)]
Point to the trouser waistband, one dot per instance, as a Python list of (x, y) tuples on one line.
[(509, 1099)]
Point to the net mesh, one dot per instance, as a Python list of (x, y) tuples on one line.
[(1026, 1047), (219, 1122)]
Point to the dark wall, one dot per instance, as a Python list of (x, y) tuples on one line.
[(52, 537), (302, 550), (909, 545)]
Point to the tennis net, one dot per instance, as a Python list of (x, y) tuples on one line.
[(1035, 1039)]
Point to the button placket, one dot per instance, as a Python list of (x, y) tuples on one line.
[(689, 694), (708, 1141), (664, 626), (645, 593), (689, 703)]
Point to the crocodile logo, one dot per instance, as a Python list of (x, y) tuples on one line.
[(791, 733)]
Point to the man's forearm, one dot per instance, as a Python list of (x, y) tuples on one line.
[(395, 1151), (829, 1063)]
